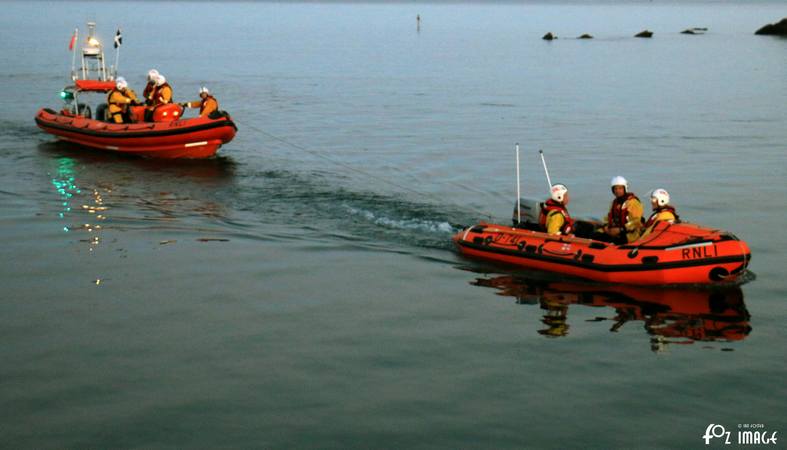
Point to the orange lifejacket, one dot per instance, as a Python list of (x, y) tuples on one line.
[(118, 100), (652, 218), (551, 205), (158, 99), (618, 215), (111, 93), (204, 104), (150, 92)]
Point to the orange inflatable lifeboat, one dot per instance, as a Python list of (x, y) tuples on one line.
[(168, 135), (198, 137), (672, 254), (682, 253)]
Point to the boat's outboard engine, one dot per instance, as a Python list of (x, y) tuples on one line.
[(529, 210)]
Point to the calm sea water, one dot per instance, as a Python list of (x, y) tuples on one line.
[(301, 290)]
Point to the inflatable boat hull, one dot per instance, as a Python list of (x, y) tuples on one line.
[(672, 254), (194, 138)]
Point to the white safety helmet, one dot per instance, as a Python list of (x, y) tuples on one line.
[(558, 192), (160, 80), (152, 74), (121, 83), (619, 181), (204, 90), (660, 196)]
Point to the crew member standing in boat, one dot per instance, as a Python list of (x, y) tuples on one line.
[(662, 211), (207, 103), (554, 217), (150, 88), (119, 99), (624, 220), (162, 95)]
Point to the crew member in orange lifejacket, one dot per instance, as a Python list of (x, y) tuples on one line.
[(119, 99), (150, 88), (162, 95), (206, 105), (554, 217), (624, 220), (163, 92), (662, 211)]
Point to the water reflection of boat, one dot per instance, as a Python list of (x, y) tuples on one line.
[(669, 315), (218, 169), (98, 188)]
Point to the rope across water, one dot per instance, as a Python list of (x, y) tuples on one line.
[(375, 177)]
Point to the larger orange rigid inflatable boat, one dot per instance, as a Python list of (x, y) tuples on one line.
[(682, 253), (164, 134), (198, 137)]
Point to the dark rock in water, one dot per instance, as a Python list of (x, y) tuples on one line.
[(694, 30), (585, 36), (774, 29), (549, 36), (644, 34)]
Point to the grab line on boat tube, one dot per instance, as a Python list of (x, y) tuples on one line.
[(362, 172)]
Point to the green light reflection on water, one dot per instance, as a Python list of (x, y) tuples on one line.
[(64, 181), (65, 184)]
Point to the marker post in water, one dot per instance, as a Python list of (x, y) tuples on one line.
[(518, 196)]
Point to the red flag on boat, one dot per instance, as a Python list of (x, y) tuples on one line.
[(73, 39)]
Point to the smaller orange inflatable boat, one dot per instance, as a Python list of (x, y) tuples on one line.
[(672, 254)]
